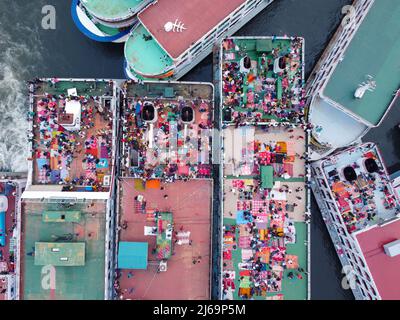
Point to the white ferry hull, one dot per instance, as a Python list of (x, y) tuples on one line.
[(89, 28)]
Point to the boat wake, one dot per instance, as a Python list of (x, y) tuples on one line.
[(13, 124), (20, 53)]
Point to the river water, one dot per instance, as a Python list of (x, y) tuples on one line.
[(28, 51)]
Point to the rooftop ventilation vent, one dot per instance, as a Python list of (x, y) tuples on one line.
[(148, 112), (392, 249), (247, 62), (350, 174), (187, 115), (227, 115), (371, 166)]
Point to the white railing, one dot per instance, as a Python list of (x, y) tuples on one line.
[(224, 29)]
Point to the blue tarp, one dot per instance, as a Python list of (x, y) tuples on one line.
[(133, 255), (240, 218), (41, 162), (103, 164)]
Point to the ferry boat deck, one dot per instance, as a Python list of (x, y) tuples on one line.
[(355, 83), (167, 146), (372, 51), (188, 261), (72, 134), (360, 187), (265, 210), (165, 192), (171, 34), (112, 10), (70, 236), (384, 268), (151, 50), (265, 253), (143, 52), (350, 129), (270, 87), (187, 13)]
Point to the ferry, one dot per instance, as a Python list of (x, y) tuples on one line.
[(106, 20), (265, 213), (173, 36), (362, 213), (354, 85), (165, 192), (67, 207), (11, 187)]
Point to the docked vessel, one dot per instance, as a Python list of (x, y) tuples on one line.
[(106, 20), (354, 85), (67, 207), (265, 252), (165, 192), (11, 187), (361, 210), (172, 37)]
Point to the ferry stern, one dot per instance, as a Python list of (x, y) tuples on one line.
[(104, 21)]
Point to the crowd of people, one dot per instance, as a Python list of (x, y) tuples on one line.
[(259, 91), (177, 150), (357, 199), (261, 232), (56, 148)]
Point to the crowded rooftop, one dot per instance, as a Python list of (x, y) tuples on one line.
[(360, 186), (265, 214), (263, 80), (72, 134), (166, 132)]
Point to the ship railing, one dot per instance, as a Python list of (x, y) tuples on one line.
[(121, 19), (110, 213), (18, 209), (336, 48), (334, 236), (212, 37)]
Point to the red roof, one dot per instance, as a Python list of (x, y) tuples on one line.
[(198, 16), (384, 269)]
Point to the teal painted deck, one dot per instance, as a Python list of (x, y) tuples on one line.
[(71, 282), (375, 51), (146, 57), (111, 9), (292, 289), (255, 49)]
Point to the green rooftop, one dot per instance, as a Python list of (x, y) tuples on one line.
[(60, 254), (82, 243), (112, 9), (375, 51), (144, 54), (292, 289)]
